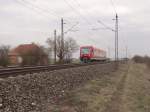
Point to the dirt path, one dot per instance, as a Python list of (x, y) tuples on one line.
[(133, 91), (116, 101), (127, 90), (136, 97)]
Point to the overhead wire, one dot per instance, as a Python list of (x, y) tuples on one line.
[(42, 9), (33, 9), (113, 5), (77, 12), (70, 29), (107, 27), (78, 4), (55, 15), (102, 23), (36, 8)]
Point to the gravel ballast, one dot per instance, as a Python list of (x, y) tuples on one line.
[(36, 92)]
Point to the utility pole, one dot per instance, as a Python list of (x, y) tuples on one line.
[(116, 34), (62, 39), (55, 46), (126, 52), (116, 38), (108, 52)]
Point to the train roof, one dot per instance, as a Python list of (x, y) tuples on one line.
[(92, 47), (86, 46)]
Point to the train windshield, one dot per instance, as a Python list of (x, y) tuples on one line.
[(85, 51)]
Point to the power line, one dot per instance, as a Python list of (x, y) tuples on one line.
[(79, 5), (19, 2), (107, 27), (36, 8), (103, 24), (77, 12), (39, 9), (95, 29), (113, 5), (84, 18), (70, 29), (42, 9)]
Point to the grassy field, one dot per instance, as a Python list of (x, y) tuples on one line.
[(126, 90)]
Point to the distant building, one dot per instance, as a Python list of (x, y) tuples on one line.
[(28, 53)]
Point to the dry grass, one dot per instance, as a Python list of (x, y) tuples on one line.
[(121, 91), (95, 95), (137, 91)]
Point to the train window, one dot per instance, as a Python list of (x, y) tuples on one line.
[(85, 51)]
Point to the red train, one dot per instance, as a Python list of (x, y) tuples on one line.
[(90, 54)]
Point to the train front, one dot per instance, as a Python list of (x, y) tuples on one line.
[(85, 54)]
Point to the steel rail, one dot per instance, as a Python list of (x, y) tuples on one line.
[(7, 72)]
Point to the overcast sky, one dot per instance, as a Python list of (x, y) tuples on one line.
[(26, 21)]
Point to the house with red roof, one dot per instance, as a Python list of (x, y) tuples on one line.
[(29, 53)]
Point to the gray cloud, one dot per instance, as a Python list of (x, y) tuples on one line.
[(23, 23)]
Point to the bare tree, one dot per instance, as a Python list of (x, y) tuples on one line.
[(4, 59), (70, 46)]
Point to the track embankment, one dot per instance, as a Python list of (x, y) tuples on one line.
[(39, 91), (126, 90)]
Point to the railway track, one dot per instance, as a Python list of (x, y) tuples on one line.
[(7, 72)]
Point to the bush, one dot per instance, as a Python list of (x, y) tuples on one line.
[(140, 59)]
